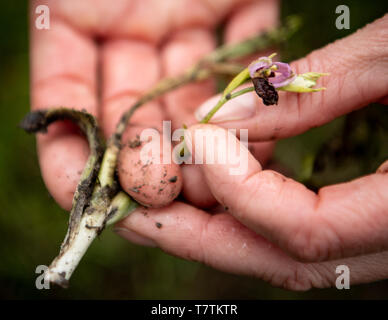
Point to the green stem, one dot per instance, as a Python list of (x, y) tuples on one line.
[(258, 43), (223, 100), (241, 92)]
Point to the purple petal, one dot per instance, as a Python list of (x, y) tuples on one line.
[(262, 62), (283, 83), (283, 68), (285, 77)]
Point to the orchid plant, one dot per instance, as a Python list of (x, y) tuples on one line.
[(98, 199), (267, 78)]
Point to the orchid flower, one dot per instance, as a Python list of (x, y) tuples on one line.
[(267, 76), (279, 74)]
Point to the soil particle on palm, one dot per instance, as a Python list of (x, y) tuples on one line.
[(173, 179), (135, 142), (144, 212), (136, 190)]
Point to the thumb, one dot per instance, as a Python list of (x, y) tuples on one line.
[(342, 220), (358, 76)]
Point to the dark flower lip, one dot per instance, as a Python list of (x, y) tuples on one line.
[(266, 91)]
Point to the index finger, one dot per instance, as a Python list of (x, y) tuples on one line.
[(63, 73), (358, 76)]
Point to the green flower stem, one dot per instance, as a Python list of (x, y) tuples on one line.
[(237, 81), (265, 40), (223, 100), (241, 92), (220, 103)]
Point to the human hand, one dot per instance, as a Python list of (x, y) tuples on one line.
[(275, 228), (102, 57)]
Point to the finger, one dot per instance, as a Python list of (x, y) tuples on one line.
[(224, 243), (63, 73), (145, 167), (340, 221), (137, 19), (357, 68), (251, 19), (154, 20), (182, 51), (205, 13), (129, 69), (186, 47), (195, 189), (219, 241)]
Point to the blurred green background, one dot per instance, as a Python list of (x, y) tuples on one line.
[(32, 226)]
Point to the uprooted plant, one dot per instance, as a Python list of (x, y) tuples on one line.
[(99, 200)]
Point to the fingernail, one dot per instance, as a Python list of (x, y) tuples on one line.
[(135, 237), (239, 108)]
